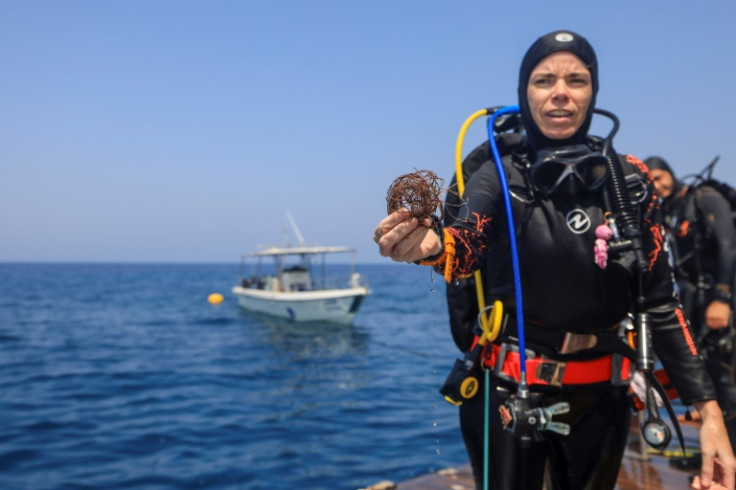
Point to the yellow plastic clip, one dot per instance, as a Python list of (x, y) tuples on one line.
[(490, 322)]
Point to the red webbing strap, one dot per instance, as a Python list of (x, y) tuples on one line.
[(549, 372)]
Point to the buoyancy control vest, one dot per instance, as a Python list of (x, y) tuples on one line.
[(569, 222)]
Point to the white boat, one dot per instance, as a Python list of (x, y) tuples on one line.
[(289, 287)]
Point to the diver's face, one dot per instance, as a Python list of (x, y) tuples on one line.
[(559, 94), (664, 183)]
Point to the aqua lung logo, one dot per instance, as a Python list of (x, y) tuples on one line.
[(577, 221)]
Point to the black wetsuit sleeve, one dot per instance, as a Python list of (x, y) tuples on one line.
[(717, 211), (674, 344), (462, 300), (472, 223)]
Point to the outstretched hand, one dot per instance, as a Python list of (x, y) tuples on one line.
[(401, 237), (719, 464), (714, 485)]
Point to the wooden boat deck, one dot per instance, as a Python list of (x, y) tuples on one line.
[(647, 471)]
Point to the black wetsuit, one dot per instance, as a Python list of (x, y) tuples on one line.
[(563, 290), (702, 232)]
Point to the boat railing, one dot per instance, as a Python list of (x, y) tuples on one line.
[(273, 283), (265, 283), (353, 280)]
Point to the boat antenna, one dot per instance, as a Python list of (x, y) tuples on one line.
[(295, 228)]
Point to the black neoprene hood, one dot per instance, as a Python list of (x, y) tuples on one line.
[(655, 162), (543, 47), (659, 163)]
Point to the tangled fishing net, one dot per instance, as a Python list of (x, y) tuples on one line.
[(419, 192)]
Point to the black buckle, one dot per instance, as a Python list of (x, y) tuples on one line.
[(551, 372)]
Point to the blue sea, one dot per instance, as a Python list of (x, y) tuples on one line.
[(124, 376)]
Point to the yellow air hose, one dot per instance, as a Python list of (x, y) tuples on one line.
[(495, 328), (490, 332)]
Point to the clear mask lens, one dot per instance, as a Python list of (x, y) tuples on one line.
[(590, 169)]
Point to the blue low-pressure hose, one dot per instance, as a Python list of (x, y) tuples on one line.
[(512, 109)]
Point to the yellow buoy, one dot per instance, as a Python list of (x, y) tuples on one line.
[(215, 298)]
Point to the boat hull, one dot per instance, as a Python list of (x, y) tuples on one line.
[(336, 306)]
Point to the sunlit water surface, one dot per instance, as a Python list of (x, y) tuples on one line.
[(124, 376)]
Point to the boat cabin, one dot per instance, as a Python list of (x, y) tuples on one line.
[(291, 269), (296, 278)]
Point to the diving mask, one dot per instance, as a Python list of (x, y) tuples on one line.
[(574, 165)]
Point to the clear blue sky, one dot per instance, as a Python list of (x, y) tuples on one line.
[(181, 131)]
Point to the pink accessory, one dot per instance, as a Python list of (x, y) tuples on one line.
[(603, 233)]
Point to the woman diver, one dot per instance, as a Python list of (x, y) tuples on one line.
[(574, 300)]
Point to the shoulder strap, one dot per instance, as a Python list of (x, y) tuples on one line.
[(461, 295)]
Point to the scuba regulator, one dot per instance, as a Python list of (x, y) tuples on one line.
[(627, 243)]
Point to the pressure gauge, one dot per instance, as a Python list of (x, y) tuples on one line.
[(656, 433)]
